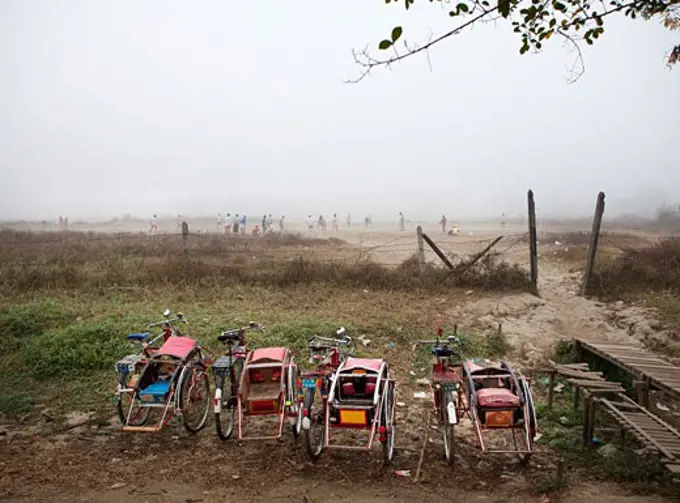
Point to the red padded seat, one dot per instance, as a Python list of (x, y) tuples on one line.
[(497, 398)]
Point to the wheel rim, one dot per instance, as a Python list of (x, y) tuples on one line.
[(194, 394), (138, 416)]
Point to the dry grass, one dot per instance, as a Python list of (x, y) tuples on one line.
[(82, 261), (655, 268)]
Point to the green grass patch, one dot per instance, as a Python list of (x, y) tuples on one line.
[(14, 404)]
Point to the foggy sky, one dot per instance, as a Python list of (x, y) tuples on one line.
[(209, 106)]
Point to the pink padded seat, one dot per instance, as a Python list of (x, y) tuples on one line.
[(497, 398), (178, 347)]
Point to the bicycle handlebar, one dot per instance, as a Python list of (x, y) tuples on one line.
[(179, 318), (449, 340)]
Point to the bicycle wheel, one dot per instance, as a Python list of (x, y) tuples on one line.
[(225, 405), (291, 398), (449, 439), (314, 432), (194, 397), (138, 416), (388, 423)]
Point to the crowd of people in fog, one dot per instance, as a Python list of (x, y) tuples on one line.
[(238, 224)]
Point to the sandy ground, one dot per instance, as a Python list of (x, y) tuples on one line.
[(98, 463)]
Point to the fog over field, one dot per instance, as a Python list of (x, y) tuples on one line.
[(112, 108)]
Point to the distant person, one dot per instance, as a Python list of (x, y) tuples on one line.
[(335, 223), (154, 225), (349, 220), (61, 222), (220, 222), (310, 223), (281, 223), (264, 224), (270, 222), (228, 223), (401, 221), (236, 223), (244, 220), (256, 230), (366, 222), (322, 224), (442, 222), (178, 227), (65, 222), (502, 219)]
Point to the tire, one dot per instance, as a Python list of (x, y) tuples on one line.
[(226, 418), (449, 438), (314, 444), (194, 376), (123, 403), (292, 395), (388, 422)]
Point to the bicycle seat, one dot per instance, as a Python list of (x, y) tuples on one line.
[(229, 335), (442, 352), (140, 337)]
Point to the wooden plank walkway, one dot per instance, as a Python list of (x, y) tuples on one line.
[(650, 430), (639, 362)]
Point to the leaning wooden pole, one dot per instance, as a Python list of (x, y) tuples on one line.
[(439, 253)]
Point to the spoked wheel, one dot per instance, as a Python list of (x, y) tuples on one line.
[(194, 397), (291, 398), (314, 427), (388, 423), (449, 439), (523, 438), (225, 407), (138, 416)]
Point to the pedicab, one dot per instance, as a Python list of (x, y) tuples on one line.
[(171, 379), (327, 353), (500, 399), (446, 384), (252, 383), (360, 395)]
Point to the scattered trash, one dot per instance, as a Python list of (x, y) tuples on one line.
[(558, 388), (364, 340), (402, 473), (564, 421), (597, 441), (235, 477), (411, 372), (423, 382), (608, 450), (420, 394), (365, 291), (557, 243), (401, 404), (537, 437), (662, 407), (468, 292), (118, 485), (390, 345)]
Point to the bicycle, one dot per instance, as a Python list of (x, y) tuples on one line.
[(446, 384)]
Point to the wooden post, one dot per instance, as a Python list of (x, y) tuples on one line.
[(551, 388), (594, 238), (577, 397), (642, 388), (439, 253), (533, 248), (421, 250), (185, 237)]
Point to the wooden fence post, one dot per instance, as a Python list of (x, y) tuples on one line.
[(533, 248), (594, 238), (421, 250), (185, 237)]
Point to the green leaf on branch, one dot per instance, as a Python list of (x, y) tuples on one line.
[(462, 7), (384, 45), (504, 7), (396, 33)]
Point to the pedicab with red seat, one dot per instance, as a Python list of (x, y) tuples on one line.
[(267, 388), (171, 379), (500, 399), (361, 395)]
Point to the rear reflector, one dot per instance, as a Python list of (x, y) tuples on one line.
[(353, 417)]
